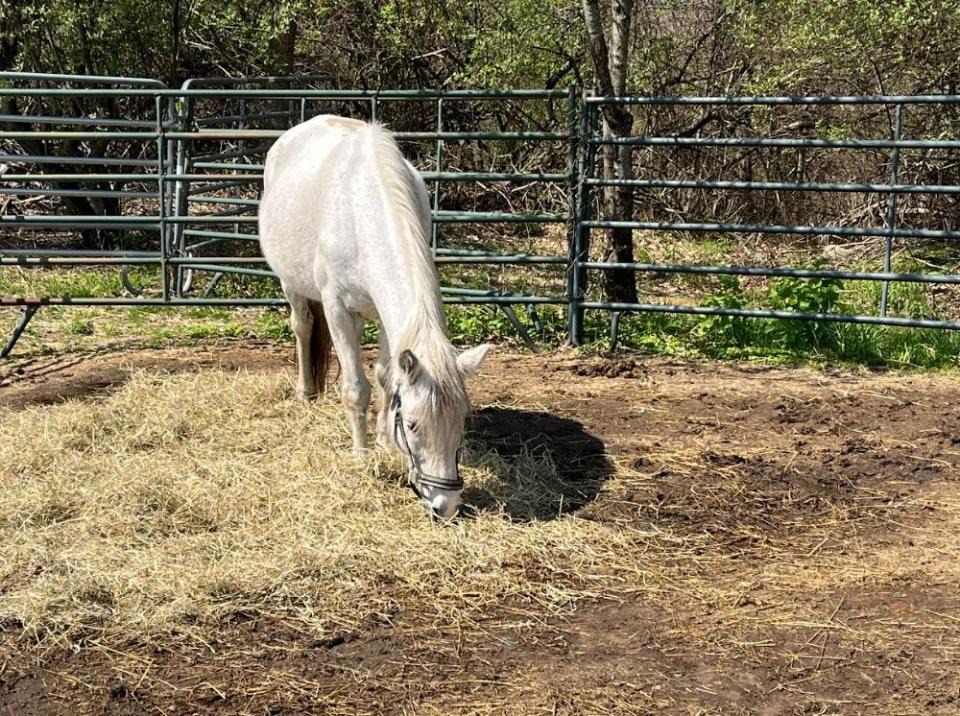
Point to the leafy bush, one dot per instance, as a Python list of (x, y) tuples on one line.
[(719, 334)]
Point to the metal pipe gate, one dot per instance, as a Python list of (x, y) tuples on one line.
[(184, 168)]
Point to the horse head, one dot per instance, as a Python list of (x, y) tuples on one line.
[(427, 414)]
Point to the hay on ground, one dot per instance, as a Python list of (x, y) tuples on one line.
[(180, 501)]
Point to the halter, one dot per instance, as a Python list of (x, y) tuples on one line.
[(422, 478)]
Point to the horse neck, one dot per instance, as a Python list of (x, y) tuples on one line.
[(411, 311), (410, 308), (402, 278)]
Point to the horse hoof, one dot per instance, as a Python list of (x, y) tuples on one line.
[(306, 396)]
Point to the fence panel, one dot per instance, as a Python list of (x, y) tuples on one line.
[(192, 172), (718, 125), (162, 185)]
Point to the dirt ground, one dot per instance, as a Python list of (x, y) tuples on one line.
[(816, 519)]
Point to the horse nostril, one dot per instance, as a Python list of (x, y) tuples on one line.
[(446, 506), (439, 505)]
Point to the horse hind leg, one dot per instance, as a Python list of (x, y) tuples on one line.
[(313, 345)]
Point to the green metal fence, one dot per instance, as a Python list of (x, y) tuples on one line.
[(893, 229), (193, 159), (177, 172)]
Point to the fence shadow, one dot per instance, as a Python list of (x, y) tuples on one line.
[(540, 466)]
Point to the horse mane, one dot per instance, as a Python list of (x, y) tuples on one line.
[(426, 331)]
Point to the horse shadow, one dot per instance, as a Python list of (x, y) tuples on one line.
[(531, 465)]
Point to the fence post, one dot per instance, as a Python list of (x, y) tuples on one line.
[(162, 206), (891, 208), (580, 243), (435, 227), (181, 186), (18, 329), (573, 182)]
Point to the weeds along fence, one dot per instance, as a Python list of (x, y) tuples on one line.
[(162, 185)]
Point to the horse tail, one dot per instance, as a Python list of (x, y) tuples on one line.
[(320, 344)]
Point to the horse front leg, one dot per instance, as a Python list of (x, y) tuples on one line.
[(345, 330)]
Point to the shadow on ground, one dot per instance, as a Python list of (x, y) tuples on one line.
[(545, 466)]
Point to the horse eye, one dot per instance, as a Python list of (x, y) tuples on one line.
[(412, 427)]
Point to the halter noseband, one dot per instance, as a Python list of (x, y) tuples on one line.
[(421, 478)]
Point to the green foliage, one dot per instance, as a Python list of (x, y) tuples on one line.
[(88, 37), (75, 284), (725, 332), (853, 46), (797, 341), (275, 324), (80, 327), (803, 295), (213, 330), (762, 46), (398, 43), (476, 324)]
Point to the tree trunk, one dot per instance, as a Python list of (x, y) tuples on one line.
[(283, 51), (610, 73), (176, 45)]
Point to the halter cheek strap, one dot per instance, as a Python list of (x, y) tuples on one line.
[(421, 478)]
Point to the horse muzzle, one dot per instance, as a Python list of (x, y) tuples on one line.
[(437, 503)]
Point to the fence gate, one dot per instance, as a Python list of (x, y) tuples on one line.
[(906, 192), (183, 169)]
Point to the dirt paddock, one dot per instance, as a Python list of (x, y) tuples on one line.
[(794, 540)]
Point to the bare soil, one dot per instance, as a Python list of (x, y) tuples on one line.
[(816, 517)]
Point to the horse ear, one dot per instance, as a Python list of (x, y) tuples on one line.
[(410, 365), (469, 361)]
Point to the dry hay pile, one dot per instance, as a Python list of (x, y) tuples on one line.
[(180, 501)]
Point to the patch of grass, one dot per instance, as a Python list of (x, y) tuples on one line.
[(212, 330), (274, 323), (777, 341), (476, 324), (80, 327), (229, 329), (209, 313), (246, 286), (112, 330), (74, 282), (796, 341)]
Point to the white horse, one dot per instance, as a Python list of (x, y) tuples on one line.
[(345, 224)]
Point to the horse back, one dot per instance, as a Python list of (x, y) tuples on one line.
[(311, 181)]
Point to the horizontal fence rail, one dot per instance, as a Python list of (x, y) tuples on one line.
[(179, 171)]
